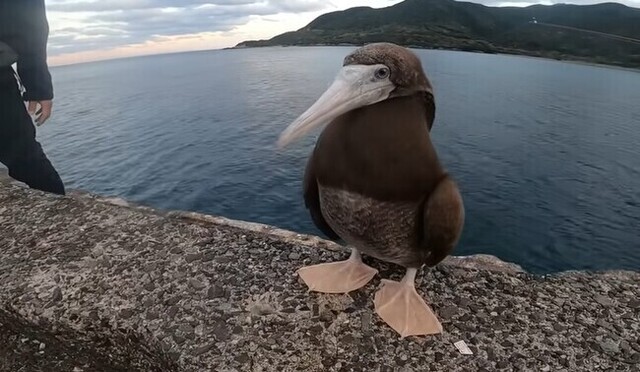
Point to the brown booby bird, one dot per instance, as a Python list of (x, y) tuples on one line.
[(374, 181)]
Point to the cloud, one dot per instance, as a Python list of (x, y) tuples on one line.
[(103, 24), (117, 5)]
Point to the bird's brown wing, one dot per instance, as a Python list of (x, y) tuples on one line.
[(312, 200), (442, 221), (430, 109)]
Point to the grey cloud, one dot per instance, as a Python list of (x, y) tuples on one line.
[(112, 23), (117, 5), (184, 21), (88, 31)]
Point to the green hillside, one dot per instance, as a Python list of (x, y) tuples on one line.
[(607, 33)]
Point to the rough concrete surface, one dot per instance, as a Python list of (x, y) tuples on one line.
[(97, 285)]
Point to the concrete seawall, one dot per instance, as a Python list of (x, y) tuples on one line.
[(94, 284)]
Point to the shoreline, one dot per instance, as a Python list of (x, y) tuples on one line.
[(236, 47), (500, 53), (480, 261)]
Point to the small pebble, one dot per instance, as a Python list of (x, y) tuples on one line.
[(610, 346), (203, 349), (294, 256), (56, 295), (199, 330), (603, 300), (196, 284)]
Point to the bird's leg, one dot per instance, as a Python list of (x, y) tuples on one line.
[(338, 277), (402, 308)]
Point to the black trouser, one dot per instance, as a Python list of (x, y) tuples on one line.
[(19, 150)]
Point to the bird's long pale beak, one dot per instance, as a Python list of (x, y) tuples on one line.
[(355, 86)]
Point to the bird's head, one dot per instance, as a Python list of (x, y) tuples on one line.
[(370, 74)]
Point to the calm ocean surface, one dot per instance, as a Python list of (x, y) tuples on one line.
[(546, 153)]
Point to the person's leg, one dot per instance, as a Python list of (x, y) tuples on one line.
[(19, 150)]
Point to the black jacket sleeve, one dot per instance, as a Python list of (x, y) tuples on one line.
[(26, 30)]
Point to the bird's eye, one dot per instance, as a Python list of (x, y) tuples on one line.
[(382, 73)]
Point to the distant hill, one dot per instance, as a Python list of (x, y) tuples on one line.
[(607, 33)]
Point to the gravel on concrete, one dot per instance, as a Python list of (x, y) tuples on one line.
[(97, 284)]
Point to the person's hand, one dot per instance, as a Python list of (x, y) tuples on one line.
[(43, 113)]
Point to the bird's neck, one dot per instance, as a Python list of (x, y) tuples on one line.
[(383, 150)]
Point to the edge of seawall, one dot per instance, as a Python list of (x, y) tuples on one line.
[(93, 283), (474, 261)]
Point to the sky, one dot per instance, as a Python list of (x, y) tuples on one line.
[(90, 30)]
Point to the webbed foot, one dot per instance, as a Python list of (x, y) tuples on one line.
[(338, 277), (402, 308)]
